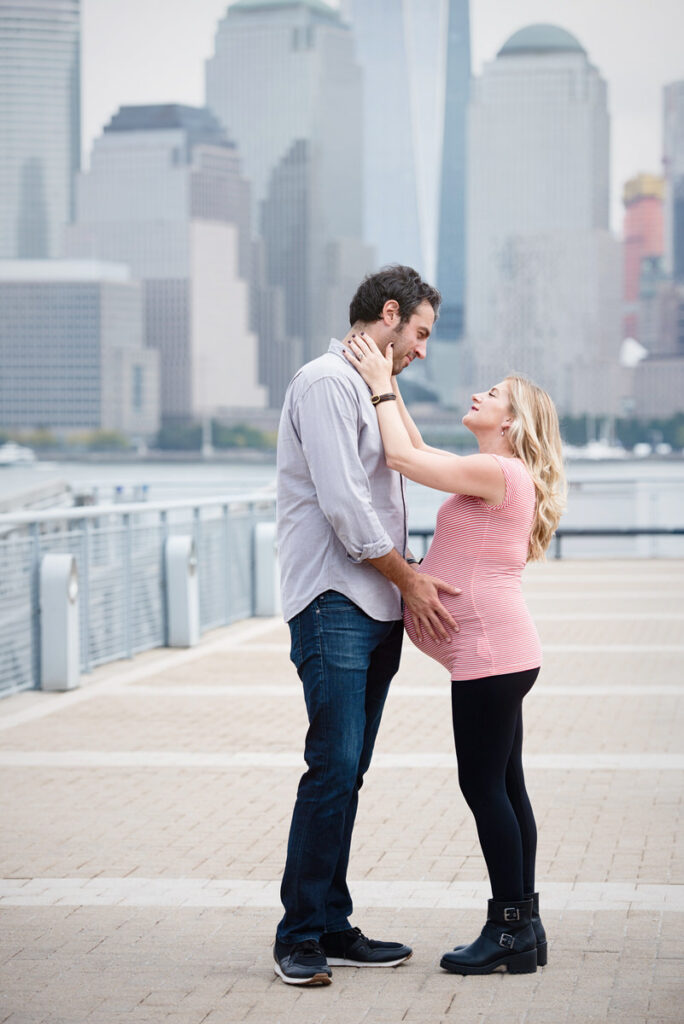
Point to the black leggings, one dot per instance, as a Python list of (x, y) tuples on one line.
[(488, 732)]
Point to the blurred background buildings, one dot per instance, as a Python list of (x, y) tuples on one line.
[(285, 83), (165, 195), (40, 124), (224, 242), (72, 348)]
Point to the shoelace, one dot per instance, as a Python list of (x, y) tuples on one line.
[(309, 949)]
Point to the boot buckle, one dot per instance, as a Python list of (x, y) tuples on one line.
[(506, 940), (511, 914)]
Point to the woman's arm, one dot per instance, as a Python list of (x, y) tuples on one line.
[(479, 475), (413, 432)]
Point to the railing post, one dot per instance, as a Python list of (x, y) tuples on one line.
[(557, 551), (35, 603), (84, 593), (252, 558), (226, 564), (164, 520), (197, 537), (128, 585)]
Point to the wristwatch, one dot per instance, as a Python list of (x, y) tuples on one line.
[(389, 397)]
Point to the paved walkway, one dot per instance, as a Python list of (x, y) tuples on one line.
[(144, 821)]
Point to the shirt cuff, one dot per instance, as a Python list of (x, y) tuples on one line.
[(375, 550)]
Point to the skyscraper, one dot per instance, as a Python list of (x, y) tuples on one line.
[(416, 60), (40, 124), (386, 53), (642, 240), (543, 290), (658, 380), (451, 255), (285, 84), (165, 196), (673, 160)]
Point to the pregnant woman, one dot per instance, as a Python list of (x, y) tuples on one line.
[(506, 503)]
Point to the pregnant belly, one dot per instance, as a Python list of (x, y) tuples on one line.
[(482, 647), (447, 652)]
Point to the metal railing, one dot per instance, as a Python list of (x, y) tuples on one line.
[(426, 534), (613, 531), (119, 552)]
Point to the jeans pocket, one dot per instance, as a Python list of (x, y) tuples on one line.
[(296, 641)]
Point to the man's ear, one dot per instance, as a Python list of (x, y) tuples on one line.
[(390, 312)]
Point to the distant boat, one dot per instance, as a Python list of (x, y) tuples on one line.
[(594, 450), (12, 454)]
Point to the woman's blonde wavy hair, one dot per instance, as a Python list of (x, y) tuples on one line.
[(535, 438)]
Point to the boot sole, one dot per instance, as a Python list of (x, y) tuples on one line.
[(336, 961), (542, 954), (521, 963), (315, 979)]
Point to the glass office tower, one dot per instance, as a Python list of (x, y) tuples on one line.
[(451, 253), (285, 83), (40, 124)]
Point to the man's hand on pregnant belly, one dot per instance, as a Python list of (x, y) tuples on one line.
[(421, 597)]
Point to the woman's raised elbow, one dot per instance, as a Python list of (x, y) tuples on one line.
[(395, 462)]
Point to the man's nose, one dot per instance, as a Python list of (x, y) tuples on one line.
[(420, 350)]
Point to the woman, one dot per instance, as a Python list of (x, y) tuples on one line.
[(506, 503)]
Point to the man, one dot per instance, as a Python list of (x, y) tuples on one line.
[(342, 536)]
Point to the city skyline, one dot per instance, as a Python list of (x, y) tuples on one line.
[(120, 67)]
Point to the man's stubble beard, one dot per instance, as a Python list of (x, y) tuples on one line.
[(397, 361)]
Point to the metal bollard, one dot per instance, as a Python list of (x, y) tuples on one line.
[(182, 592), (267, 574), (59, 626)]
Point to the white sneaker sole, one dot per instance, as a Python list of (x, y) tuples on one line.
[(315, 979), (338, 961)]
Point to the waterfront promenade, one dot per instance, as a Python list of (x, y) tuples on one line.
[(144, 821)]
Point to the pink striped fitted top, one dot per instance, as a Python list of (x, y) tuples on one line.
[(482, 549)]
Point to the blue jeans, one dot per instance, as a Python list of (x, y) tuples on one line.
[(346, 661)]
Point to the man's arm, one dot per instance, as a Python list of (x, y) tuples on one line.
[(327, 424), (421, 595)]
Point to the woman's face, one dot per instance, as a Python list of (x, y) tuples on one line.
[(490, 410)]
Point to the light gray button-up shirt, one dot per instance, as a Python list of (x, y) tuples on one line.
[(338, 504)]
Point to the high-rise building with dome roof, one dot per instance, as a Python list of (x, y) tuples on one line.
[(543, 293), (40, 124)]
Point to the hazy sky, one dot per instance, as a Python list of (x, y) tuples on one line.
[(153, 51)]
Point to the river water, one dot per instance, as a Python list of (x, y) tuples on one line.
[(626, 493)]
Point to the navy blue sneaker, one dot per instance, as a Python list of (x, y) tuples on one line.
[(301, 963), (351, 948)]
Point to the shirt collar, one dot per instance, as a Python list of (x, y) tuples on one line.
[(336, 347)]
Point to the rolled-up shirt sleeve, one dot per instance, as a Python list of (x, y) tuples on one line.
[(326, 419)]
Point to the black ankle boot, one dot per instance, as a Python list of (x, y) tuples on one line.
[(507, 940), (539, 933)]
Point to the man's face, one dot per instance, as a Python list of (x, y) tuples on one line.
[(410, 339)]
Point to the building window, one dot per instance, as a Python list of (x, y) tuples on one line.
[(138, 387)]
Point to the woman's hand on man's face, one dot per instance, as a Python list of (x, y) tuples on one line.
[(365, 356)]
